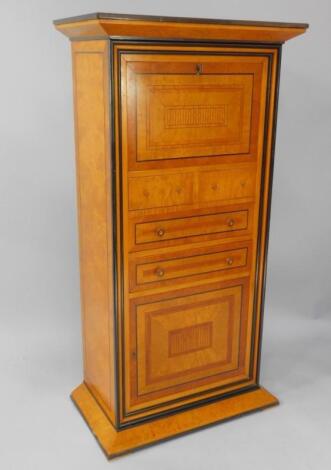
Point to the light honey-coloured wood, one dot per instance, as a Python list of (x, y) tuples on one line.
[(164, 228), (176, 266), (174, 152), (207, 327), (179, 267), (116, 443), (205, 182), (191, 107), (197, 187), (191, 226), (172, 28), (91, 88)]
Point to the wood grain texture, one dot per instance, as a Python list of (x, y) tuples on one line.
[(197, 187), (155, 369), (91, 82), (164, 228), (191, 107), (167, 27), (115, 443), (176, 266), (177, 19), (174, 190)]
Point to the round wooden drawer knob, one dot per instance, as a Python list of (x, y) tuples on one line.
[(229, 261), (160, 232), (159, 272), (231, 223)]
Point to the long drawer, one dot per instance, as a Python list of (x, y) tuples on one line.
[(162, 230), (178, 266)]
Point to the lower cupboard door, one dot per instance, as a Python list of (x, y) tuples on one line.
[(187, 345)]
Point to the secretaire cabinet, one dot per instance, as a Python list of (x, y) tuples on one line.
[(175, 131)]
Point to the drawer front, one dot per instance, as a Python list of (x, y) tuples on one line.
[(182, 107), (178, 229), (199, 187), (150, 271), (226, 184), (161, 191), (187, 343)]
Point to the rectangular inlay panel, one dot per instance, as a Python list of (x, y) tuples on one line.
[(189, 342), (195, 116), (190, 116)]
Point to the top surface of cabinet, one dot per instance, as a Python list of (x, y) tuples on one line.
[(164, 27)]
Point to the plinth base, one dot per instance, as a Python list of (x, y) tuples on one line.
[(115, 442)]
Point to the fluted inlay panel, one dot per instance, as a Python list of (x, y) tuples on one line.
[(195, 116), (186, 340)]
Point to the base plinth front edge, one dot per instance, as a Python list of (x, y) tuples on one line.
[(115, 443)]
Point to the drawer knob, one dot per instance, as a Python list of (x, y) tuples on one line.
[(159, 272), (229, 261), (160, 232), (231, 223)]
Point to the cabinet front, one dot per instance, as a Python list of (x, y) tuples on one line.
[(191, 128)]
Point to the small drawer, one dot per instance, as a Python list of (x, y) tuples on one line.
[(147, 192), (160, 230), (223, 185), (176, 266)]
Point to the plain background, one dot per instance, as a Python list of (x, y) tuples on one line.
[(40, 345)]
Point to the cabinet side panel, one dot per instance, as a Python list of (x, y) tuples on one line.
[(91, 98)]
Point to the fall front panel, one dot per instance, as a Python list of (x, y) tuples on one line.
[(184, 107)]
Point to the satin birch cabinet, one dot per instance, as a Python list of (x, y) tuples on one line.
[(175, 130)]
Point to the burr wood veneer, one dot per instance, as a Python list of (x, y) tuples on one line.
[(175, 130)]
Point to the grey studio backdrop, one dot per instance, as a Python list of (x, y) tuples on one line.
[(40, 344)]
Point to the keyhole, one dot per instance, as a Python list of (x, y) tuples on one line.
[(198, 69)]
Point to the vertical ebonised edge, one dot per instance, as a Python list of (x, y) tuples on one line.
[(269, 201), (114, 216)]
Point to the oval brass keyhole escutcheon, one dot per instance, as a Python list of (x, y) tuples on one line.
[(198, 69)]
